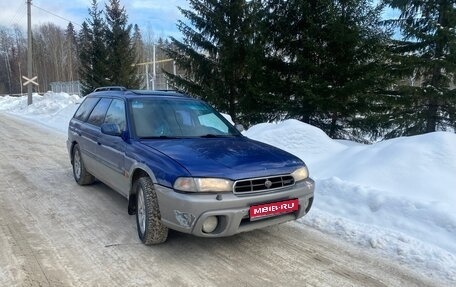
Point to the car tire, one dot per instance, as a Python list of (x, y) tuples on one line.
[(148, 220), (81, 175)]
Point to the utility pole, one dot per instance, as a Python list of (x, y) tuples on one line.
[(147, 76), (154, 73), (153, 68), (29, 51)]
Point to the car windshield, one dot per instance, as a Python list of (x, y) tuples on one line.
[(177, 118)]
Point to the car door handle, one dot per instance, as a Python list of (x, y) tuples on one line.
[(98, 143)]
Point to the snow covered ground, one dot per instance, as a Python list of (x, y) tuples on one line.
[(396, 197)]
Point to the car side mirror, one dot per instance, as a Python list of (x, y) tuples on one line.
[(111, 129), (239, 127)]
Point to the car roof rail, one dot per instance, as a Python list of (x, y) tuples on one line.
[(110, 88), (158, 92), (168, 90)]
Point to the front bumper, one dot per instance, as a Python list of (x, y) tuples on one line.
[(186, 212)]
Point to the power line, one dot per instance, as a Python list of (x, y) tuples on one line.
[(58, 16), (19, 11)]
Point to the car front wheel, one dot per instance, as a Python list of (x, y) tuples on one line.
[(150, 228), (81, 175)]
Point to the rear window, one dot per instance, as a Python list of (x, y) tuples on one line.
[(85, 108)]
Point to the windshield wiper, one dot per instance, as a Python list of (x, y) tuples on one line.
[(215, 136), (157, 137)]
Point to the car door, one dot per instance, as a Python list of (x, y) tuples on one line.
[(90, 133), (112, 149), (77, 130)]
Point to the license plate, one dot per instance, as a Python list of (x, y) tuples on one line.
[(273, 208)]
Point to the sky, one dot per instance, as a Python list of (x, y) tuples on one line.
[(156, 18)]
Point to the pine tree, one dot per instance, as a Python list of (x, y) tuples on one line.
[(122, 51), (138, 44), (330, 57), (216, 54), (427, 53), (71, 52), (354, 71), (140, 52), (93, 71), (85, 49)]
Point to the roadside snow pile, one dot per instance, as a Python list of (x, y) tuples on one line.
[(397, 196), (52, 109), (420, 167), (305, 141)]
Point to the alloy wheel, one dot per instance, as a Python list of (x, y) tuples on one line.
[(141, 210)]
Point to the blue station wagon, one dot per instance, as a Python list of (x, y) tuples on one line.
[(183, 166)]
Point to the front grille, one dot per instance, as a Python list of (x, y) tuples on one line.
[(263, 184)]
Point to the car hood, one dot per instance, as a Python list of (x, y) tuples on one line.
[(229, 157)]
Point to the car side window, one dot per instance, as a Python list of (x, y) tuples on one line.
[(85, 108), (98, 114), (116, 114)]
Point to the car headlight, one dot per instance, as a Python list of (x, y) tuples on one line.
[(300, 174), (192, 184)]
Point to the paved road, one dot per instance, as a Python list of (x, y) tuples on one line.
[(56, 233)]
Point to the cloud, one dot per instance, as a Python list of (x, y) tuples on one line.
[(156, 17), (158, 5), (13, 13), (43, 12)]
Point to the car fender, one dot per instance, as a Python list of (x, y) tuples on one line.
[(141, 166)]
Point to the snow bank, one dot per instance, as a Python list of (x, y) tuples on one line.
[(53, 110), (416, 232), (420, 167), (397, 196), (305, 141)]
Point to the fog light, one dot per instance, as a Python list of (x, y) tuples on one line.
[(210, 224)]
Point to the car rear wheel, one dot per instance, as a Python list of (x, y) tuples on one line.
[(150, 228), (81, 175)]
